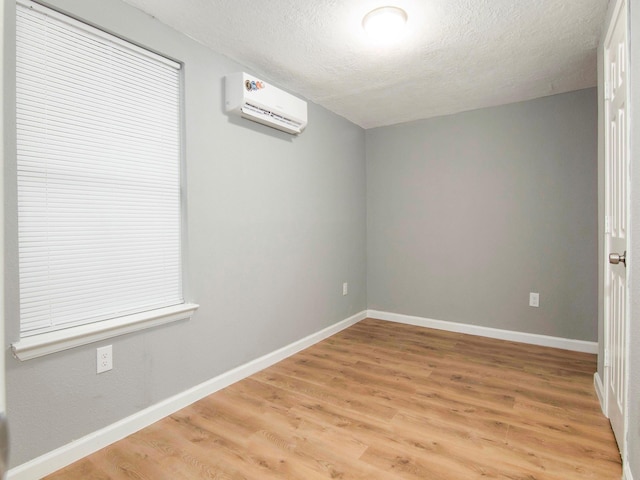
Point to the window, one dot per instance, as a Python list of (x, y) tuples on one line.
[(99, 183)]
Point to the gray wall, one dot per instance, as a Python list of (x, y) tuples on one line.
[(634, 265), (275, 225), (467, 214)]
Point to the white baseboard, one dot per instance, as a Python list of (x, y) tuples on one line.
[(74, 451), (626, 473), (597, 383), (531, 338)]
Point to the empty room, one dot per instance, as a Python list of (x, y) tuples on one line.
[(320, 239)]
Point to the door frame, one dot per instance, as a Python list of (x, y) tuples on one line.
[(4, 448), (2, 223), (606, 247)]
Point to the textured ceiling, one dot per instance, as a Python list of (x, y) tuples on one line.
[(457, 54)]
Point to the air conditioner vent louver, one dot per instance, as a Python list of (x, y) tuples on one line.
[(256, 100), (279, 118)]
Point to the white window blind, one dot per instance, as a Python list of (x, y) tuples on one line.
[(98, 166)]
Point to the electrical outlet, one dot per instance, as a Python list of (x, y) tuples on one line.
[(104, 358), (345, 288), (534, 299)]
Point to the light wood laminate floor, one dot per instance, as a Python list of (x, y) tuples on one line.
[(382, 400)]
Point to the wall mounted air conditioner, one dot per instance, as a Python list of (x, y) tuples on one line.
[(261, 102)]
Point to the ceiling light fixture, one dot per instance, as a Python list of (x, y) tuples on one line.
[(384, 24)]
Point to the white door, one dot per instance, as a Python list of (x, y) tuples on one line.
[(616, 160)]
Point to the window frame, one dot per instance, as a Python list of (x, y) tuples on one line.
[(39, 344)]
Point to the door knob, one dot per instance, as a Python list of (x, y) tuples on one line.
[(616, 258)]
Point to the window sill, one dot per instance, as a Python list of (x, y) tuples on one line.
[(46, 343)]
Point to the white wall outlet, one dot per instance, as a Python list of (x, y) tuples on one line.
[(345, 288), (534, 299), (104, 359)]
